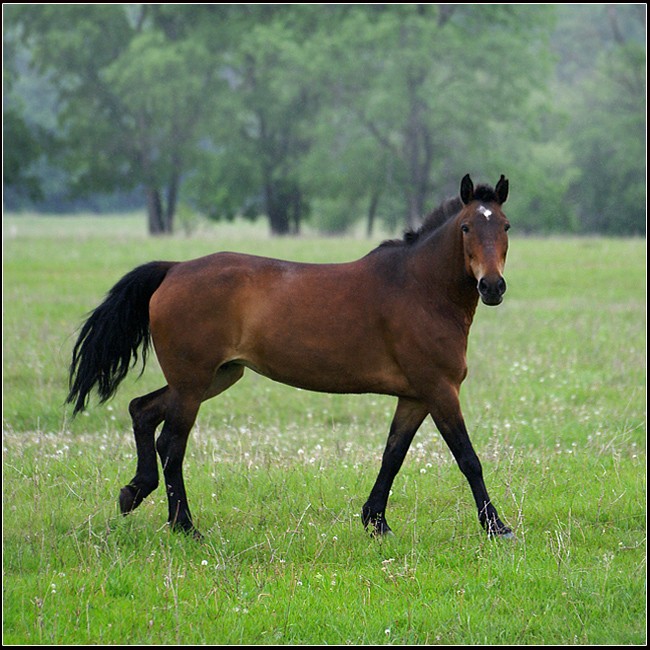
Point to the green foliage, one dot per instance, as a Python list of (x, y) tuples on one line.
[(334, 112), (261, 132), (603, 93), (130, 111), (22, 148), (610, 137), (425, 83), (554, 400)]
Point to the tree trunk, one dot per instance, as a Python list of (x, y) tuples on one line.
[(418, 152), (414, 216), (154, 211), (284, 207), (172, 199), (160, 220), (276, 210), (372, 211), (279, 222)]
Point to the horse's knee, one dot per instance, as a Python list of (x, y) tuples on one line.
[(138, 405), (470, 466)]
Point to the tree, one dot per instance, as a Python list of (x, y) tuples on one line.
[(262, 132), (329, 112), (129, 111), (428, 82), (608, 129), (23, 145)]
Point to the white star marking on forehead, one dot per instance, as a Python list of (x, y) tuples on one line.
[(484, 211)]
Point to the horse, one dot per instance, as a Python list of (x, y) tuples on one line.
[(394, 322)]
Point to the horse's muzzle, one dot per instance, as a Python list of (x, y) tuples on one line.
[(492, 292)]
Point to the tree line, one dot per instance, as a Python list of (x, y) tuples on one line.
[(328, 114)]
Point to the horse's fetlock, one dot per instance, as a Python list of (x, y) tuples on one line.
[(375, 522)]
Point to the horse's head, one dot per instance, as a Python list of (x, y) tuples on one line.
[(485, 240)]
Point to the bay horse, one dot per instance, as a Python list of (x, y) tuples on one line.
[(394, 322)]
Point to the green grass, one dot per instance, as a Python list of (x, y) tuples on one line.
[(554, 401)]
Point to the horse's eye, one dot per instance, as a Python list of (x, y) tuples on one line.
[(464, 228)]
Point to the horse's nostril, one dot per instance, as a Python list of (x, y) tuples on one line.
[(496, 288)]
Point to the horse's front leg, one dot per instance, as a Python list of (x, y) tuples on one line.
[(408, 418), (446, 413)]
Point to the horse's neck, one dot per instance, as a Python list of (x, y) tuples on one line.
[(439, 264)]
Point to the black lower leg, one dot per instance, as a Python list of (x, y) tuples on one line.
[(408, 417), (171, 448), (470, 466), (147, 413), (461, 447)]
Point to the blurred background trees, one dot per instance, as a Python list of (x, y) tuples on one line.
[(327, 114)]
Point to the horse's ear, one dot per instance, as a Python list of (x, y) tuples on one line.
[(501, 189), (466, 189)]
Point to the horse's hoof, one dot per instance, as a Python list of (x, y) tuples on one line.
[(193, 533), (187, 529), (127, 500), (375, 523), (502, 533), (379, 528)]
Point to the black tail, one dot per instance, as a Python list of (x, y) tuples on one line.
[(109, 340)]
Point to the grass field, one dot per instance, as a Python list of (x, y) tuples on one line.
[(554, 401)]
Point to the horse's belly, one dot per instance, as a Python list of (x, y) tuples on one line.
[(331, 367)]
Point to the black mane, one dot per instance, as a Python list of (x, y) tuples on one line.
[(438, 217), (441, 215)]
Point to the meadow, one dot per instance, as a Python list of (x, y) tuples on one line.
[(555, 406)]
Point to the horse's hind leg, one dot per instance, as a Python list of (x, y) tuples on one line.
[(147, 413), (178, 414), (179, 420), (171, 445)]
